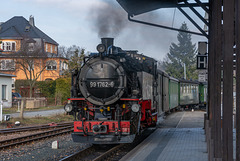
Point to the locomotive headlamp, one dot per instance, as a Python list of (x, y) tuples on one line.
[(101, 109), (101, 48), (135, 108), (108, 108), (68, 107)]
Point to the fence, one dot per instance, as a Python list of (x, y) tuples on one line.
[(37, 102), (30, 102)]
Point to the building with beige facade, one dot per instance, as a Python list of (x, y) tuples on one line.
[(15, 35)]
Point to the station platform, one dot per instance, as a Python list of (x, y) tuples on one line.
[(174, 144)]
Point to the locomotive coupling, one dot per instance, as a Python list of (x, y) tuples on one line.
[(100, 128)]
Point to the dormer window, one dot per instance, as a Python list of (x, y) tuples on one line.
[(31, 46), (8, 46), (27, 28), (46, 47)]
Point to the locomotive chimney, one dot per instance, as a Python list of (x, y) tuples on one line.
[(107, 42)]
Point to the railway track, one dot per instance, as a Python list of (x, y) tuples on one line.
[(58, 130), (30, 128), (107, 152)]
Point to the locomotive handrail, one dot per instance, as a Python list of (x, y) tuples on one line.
[(130, 99), (77, 99)]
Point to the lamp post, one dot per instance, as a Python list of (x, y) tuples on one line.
[(184, 68)]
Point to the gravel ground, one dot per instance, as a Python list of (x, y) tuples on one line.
[(42, 150)]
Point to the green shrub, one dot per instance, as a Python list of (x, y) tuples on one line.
[(47, 88), (63, 88)]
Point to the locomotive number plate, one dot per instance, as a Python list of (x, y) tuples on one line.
[(102, 84)]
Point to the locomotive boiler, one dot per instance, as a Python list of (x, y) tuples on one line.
[(113, 95)]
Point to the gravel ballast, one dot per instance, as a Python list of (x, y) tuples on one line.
[(42, 150)]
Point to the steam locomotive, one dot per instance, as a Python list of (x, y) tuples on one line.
[(118, 93)]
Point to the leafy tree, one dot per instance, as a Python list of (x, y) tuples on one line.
[(179, 54)]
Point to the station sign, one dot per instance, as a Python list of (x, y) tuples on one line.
[(202, 58), (202, 76), (202, 61), (202, 48)]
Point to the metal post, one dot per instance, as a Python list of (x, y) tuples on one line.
[(216, 15), (237, 116), (228, 43), (1, 113), (18, 107)]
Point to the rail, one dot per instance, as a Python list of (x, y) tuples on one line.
[(35, 137), (30, 128)]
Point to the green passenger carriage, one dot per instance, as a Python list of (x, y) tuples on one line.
[(188, 94), (173, 93)]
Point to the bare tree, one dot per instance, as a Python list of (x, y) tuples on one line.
[(75, 54), (31, 61)]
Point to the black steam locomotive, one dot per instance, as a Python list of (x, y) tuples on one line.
[(118, 93), (112, 95)]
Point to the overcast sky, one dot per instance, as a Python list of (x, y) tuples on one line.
[(82, 23)]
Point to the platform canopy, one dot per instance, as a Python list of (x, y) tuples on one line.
[(136, 7)]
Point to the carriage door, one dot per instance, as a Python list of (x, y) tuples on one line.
[(165, 94), (160, 94)]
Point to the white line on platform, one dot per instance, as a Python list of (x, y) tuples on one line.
[(180, 120)]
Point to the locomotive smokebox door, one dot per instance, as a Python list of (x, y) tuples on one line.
[(102, 81)]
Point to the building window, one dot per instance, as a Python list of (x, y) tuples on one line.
[(48, 79), (65, 66), (46, 47), (51, 49), (4, 92), (7, 64), (60, 65), (13, 83), (55, 48), (31, 47), (8, 46), (51, 65)]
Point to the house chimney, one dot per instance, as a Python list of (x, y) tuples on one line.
[(31, 21)]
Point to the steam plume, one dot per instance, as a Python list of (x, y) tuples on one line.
[(109, 20)]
